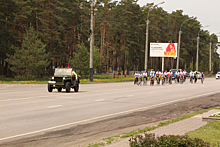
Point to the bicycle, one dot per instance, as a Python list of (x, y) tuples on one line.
[(136, 81), (167, 80), (158, 81), (195, 79), (177, 79), (151, 81), (139, 82), (181, 80), (162, 79), (170, 80), (144, 81), (202, 79), (191, 80)]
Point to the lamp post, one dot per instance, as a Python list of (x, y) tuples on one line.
[(91, 42), (197, 51), (147, 27), (178, 51), (210, 56)]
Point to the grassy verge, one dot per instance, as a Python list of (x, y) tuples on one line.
[(81, 81), (132, 133), (209, 133)]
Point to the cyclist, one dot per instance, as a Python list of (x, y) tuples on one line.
[(181, 76), (170, 75), (145, 76), (191, 74), (184, 73), (202, 77), (195, 76), (151, 78), (140, 77), (177, 76), (158, 74), (165, 76), (136, 75)]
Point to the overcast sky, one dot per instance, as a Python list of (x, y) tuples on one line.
[(207, 12)]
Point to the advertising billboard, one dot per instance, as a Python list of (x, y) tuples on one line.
[(163, 49)]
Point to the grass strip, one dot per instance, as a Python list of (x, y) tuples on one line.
[(165, 123), (132, 133), (81, 81), (209, 133)]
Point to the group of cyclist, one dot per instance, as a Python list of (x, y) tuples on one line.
[(166, 77)]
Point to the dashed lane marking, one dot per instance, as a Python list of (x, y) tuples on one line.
[(54, 106), (108, 115), (99, 100)]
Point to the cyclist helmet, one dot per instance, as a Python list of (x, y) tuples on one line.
[(163, 70)]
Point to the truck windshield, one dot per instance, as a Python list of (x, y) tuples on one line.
[(63, 71)]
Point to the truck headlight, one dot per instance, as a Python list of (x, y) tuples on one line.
[(52, 78), (64, 78)]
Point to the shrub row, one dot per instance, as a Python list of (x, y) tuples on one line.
[(149, 140)]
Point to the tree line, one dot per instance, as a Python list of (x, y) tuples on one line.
[(39, 35)]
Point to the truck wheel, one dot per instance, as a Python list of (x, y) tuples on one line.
[(76, 88), (59, 89), (50, 89), (67, 86)]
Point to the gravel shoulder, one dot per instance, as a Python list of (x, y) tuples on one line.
[(82, 135)]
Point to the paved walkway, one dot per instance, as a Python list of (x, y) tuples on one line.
[(177, 128)]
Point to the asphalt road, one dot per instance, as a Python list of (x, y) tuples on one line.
[(29, 110)]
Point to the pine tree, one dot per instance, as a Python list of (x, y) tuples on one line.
[(31, 59)]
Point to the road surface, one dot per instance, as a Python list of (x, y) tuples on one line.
[(29, 110)]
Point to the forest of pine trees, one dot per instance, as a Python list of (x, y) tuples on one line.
[(61, 29)]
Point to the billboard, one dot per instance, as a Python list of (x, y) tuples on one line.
[(163, 49)]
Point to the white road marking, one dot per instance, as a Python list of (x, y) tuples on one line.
[(129, 95), (108, 115), (16, 99), (54, 106), (99, 100)]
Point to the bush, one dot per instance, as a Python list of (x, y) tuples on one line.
[(149, 140)]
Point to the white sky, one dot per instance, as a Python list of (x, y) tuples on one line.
[(207, 12)]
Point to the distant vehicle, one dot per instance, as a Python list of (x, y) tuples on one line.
[(174, 72), (188, 74), (63, 79), (218, 75)]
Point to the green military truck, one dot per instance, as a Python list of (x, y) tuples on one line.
[(64, 78)]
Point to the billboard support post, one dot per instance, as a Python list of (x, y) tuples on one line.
[(162, 63)]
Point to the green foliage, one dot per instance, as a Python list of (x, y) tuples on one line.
[(119, 33), (96, 145), (81, 60), (209, 132), (96, 58), (149, 140), (31, 58)]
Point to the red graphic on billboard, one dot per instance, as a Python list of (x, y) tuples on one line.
[(170, 50)]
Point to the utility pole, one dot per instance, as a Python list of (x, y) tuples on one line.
[(91, 42), (210, 59), (197, 55), (146, 46), (178, 50)]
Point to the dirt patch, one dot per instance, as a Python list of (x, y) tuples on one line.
[(82, 135)]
